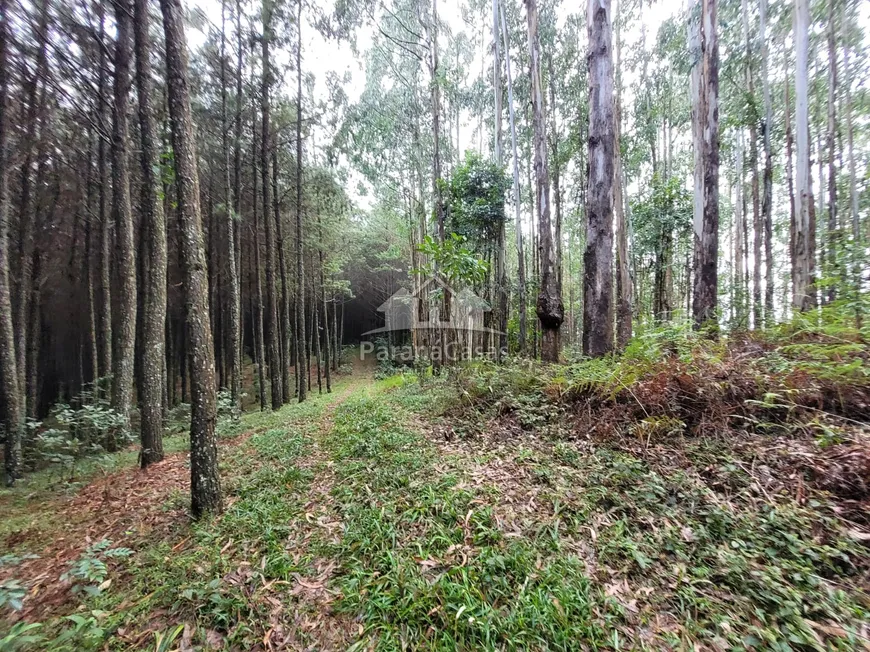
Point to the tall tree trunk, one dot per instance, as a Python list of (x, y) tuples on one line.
[(705, 110), (154, 233), (856, 250), (284, 328), (315, 337), (105, 313), (125, 253), (88, 273), (623, 273), (767, 194), (338, 332), (435, 99), (549, 306), (10, 393), (259, 336), (833, 240), (28, 214), (205, 488), (521, 255), (231, 207), (598, 259), (557, 170), (757, 317), (501, 248), (327, 343), (757, 231), (739, 234), (789, 173), (34, 324), (272, 333), (804, 252), (301, 360)]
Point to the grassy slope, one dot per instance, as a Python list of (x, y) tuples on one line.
[(352, 521)]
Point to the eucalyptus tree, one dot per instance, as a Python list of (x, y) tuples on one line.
[(833, 240), (520, 245), (549, 305), (804, 296), (620, 193), (598, 337), (752, 119), (767, 193), (501, 248), (705, 123)]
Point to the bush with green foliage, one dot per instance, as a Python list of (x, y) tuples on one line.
[(88, 572), (73, 431), (475, 200)]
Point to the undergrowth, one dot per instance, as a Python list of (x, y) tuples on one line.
[(687, 494), (591, 548)]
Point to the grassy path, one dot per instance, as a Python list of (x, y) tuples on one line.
[(351, 523)]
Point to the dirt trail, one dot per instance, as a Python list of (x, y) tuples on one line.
[(133, 506)]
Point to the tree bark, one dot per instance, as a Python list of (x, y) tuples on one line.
[(856, 250), (832, 231), (757, 317), (231, 208), (286, 335), (301, 358), (125, 253), (501, 248), (739, 234), (205, 489), (27, 218), (88, 273), (326, 340), (10, 393), (259, 336), (549, 306), (154, 233), (623, 273), (105, 313), (789, 173), (272, 333), (705, 110), (521, 255), (804, 252), (598, 259), (767, 194)]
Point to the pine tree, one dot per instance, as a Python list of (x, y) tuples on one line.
[(205, 487), (153, 331)]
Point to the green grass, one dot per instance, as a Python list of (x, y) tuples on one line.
[(537, 542), (617, 554)]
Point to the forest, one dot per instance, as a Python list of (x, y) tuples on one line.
[(434, 325)]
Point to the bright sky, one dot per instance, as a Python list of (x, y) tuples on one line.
[(321, 57)]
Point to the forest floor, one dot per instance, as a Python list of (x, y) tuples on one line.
[(483, 511)]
